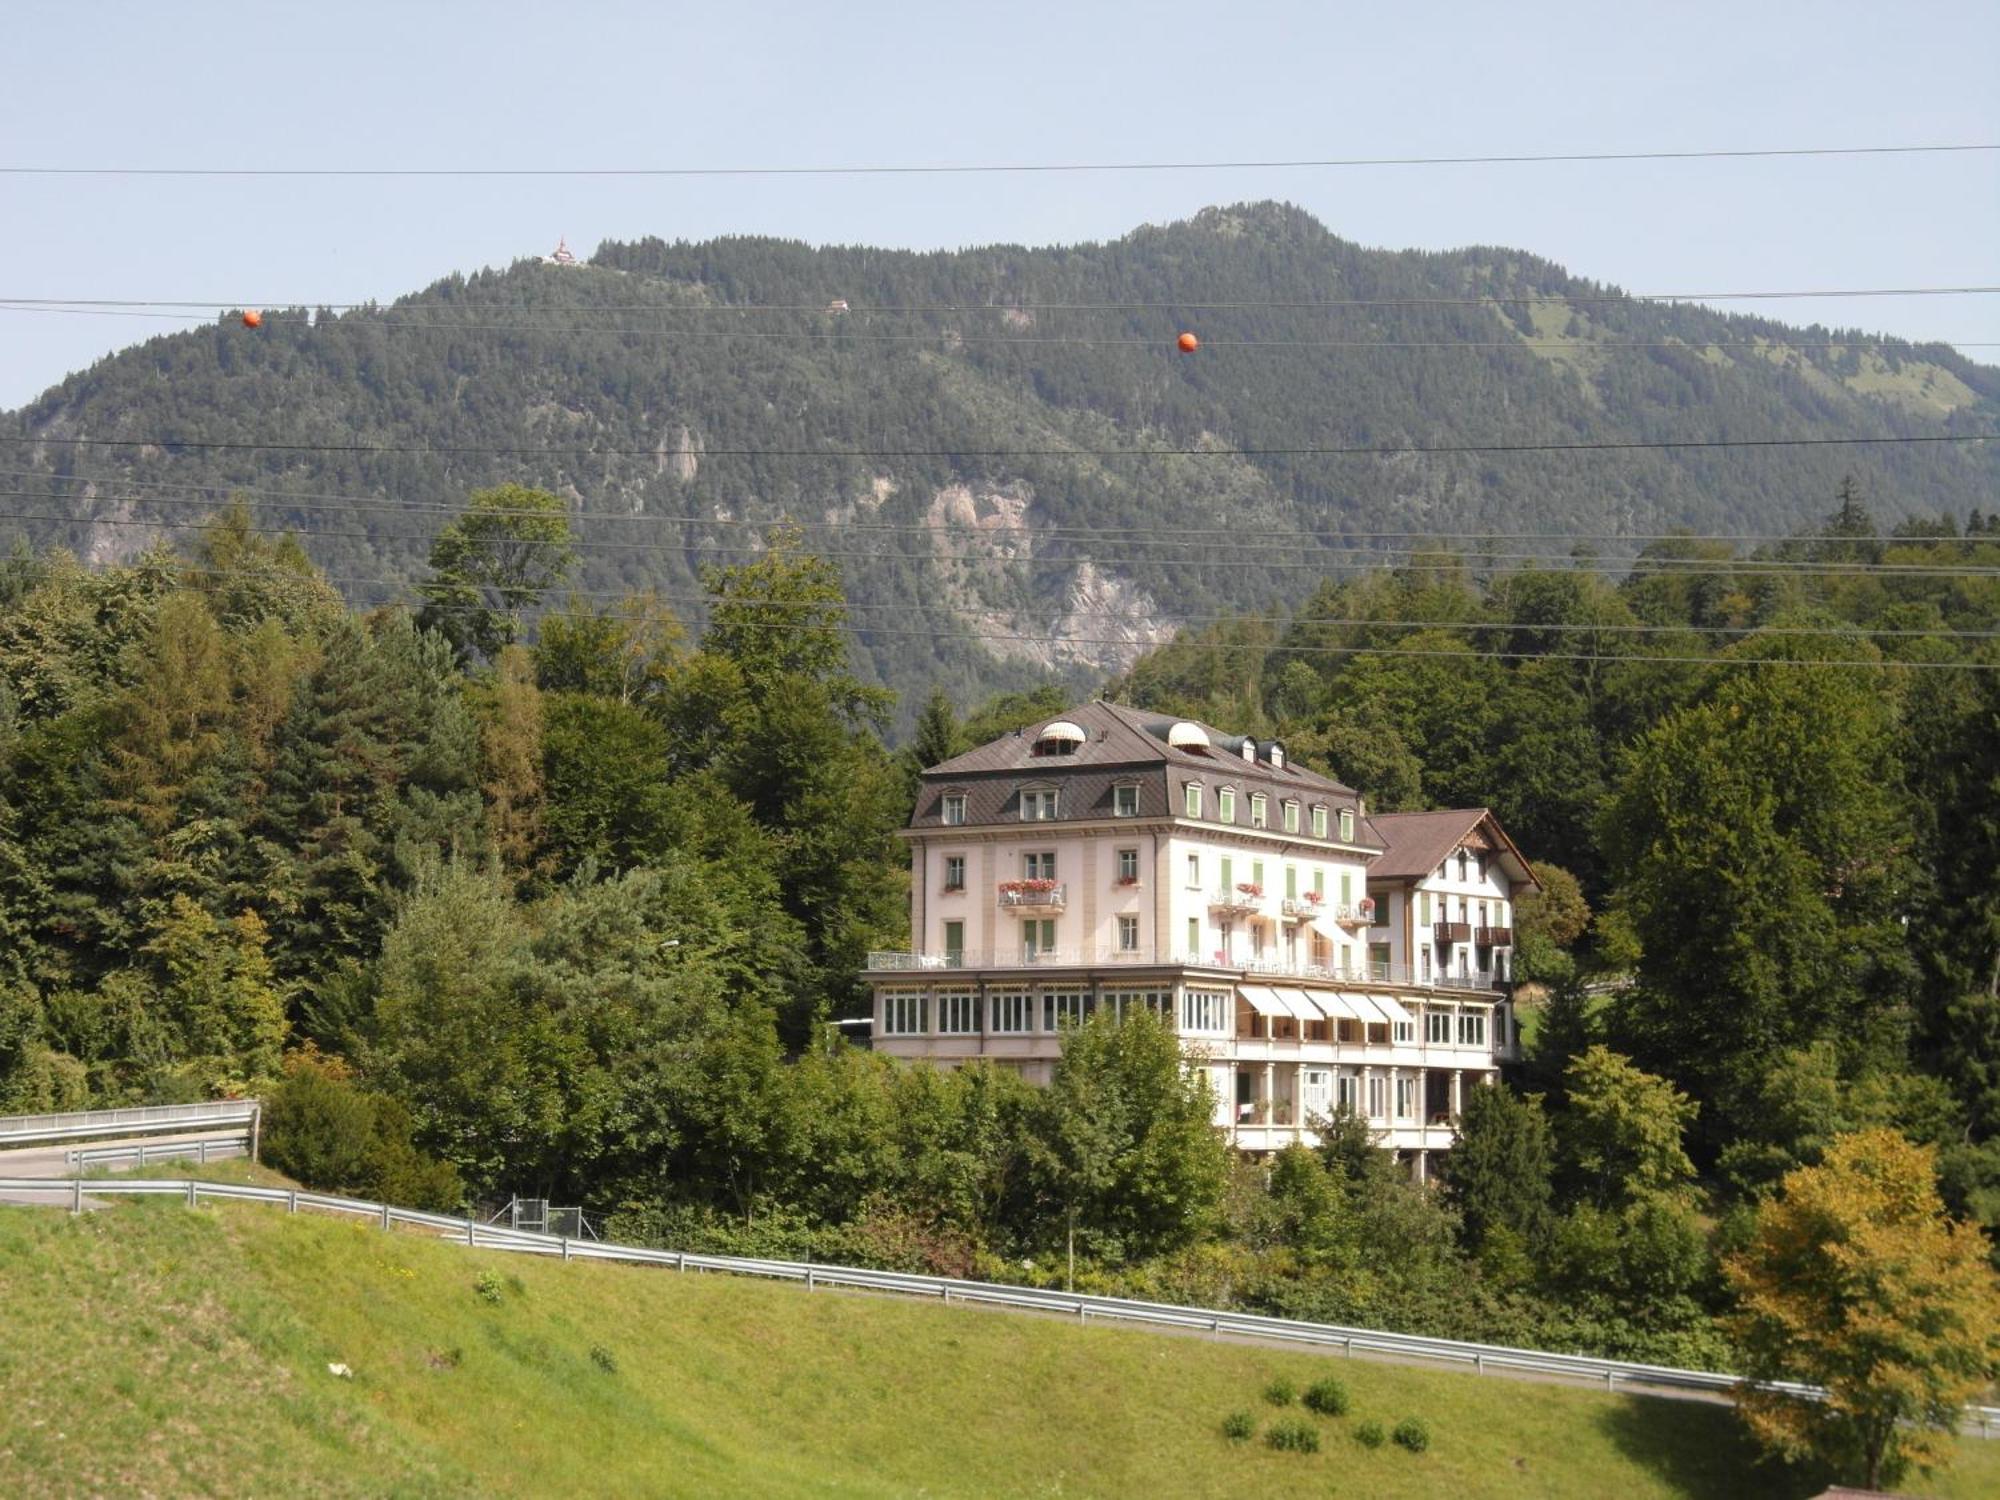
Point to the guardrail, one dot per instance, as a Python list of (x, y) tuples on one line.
[(207, 1149), (1982, 1421), (148, 1119)]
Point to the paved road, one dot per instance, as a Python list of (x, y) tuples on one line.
[(53, 1161)]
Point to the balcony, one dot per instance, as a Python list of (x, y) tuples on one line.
[(1493, 937), (1304, 908), (1269, 965), (1243, 899), (1032, 895), (1453, 932)]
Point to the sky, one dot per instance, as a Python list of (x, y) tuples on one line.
[(580, 84)]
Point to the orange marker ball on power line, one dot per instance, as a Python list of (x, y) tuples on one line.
[(253, 319), (1188, 343)]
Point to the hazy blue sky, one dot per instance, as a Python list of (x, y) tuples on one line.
[(580, 84)]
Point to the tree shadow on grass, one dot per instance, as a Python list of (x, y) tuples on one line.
[(1701, 1450)]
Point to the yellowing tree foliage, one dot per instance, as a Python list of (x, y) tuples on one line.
[(1857, 1281)]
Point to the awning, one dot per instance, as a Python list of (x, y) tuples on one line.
[(1263, 1000), (1391, 1007), (1301, 1004), (1334, 1007), (1365, 1008)]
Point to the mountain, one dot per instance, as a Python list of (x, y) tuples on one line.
[(952, 454)]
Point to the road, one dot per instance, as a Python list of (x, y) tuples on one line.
[(53, 1161)]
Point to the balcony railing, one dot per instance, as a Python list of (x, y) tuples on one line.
[(1272, 966), (1304, 908), (1493, 937), (1236, 899), (1453, 932), (1033, 895)]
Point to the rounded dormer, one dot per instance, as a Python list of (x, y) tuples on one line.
[(1059, 738), (1187, 736)]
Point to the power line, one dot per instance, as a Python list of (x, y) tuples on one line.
[(1328, 560), (1162, 341), (980, 168), (877, 309), (1175, 535), (884, 454)]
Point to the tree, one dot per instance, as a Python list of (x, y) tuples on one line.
[(1621, 1131), (508, 548), (935, 739), (1855, 1280), (510, 738), (1498, 1172), (1557, 911)]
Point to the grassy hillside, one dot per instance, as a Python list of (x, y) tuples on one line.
[(152, 1350), (676, 392)]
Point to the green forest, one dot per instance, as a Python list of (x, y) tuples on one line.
[(485, 901), (680, 397)]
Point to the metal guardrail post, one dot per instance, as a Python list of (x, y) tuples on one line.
[(76, 1196), (292, 1201), (385, 1216), (193, 1200)]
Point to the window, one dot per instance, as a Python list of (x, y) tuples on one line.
[(1319, 881), (1125, 801), (1437, 1027), (1344, 1093), (1347, 825), (1257, 873), (1062, 1008), (1013, 1010), (1128, 934), (1319, 822), (1194, 937), (954, 808), (954, 872), (1346, 889), (958, 1012), (1291, 817), (1194, 799), (954, 945), (1406, 1097), (903, 1013), (1461, 865), (1426, 951), (1228, 873), (1038, 937), (1039, 864), (1278, 756), (1378, 1097), (1037, 807), (1205, 1010), (1291, 882), (1481, 865), (1404, 1031), (1128, 866), (1424, 909), (1225, 805), (1472, 1028), (1258, 817), (1194, 872), (1122, 1003)]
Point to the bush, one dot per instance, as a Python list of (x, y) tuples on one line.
[(1281, 1392), (487, 1287), (1412, 1434), (1327, 1397), (1293, 1437), (604, 1359), (1239, 1427), (1370, 1435), (327, 1132)]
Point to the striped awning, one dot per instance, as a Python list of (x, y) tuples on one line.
[(1263, 999), (1301, 1004), (1393, 1009)]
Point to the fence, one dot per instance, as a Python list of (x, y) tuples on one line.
[(1981, 1421), (149, 1119), (207, 1149)]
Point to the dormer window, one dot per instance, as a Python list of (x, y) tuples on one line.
[(1258, 818), (1347, 825), (1277, 756), (1125, 800), (1225, 805), (953, 811), (1250, 751), (1059, 738), (1291, 817), (1038, 806), (1193, 802), (1319, 822)]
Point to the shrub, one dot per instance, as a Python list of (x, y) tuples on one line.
[(1370, 1435), (604, 1359), (1239, 1427), (1281, 1392), (1293, 1437), (1327, 1397), (330, 1134), (1412, 1434), (487, 1285)]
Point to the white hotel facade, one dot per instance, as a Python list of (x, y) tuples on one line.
[(1308, 955)]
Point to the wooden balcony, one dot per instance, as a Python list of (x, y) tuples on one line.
[(1493, 937), (1453, 932)]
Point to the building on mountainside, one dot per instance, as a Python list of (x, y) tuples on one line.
[(1115, 859), (562, 255)]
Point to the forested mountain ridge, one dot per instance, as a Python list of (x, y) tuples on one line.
[(681, 395)]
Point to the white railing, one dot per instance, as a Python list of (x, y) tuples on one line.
[(149, 1119), (1053, 896), (1271, 965), (1982, 1421)]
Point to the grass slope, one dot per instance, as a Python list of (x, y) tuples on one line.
[(148, 1349)]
